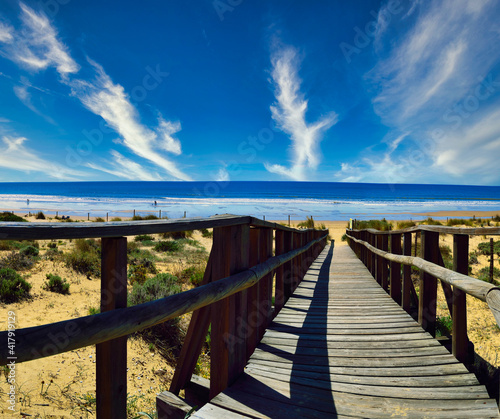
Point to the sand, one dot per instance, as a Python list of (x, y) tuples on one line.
[(63, 386)]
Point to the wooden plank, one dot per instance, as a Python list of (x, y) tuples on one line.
[(111, 356), (331, 374), (472, 392)]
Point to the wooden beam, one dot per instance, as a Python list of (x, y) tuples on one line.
[(407, 282), (111, 356)]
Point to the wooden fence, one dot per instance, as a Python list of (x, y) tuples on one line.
[(387, 254), (236, 297)]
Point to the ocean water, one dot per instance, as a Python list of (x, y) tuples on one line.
[(274, 200)]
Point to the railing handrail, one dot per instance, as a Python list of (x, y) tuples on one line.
[(471, 231), (479, 289), (78, 230), (98, 328)]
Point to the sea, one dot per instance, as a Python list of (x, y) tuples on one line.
[(269, 200)]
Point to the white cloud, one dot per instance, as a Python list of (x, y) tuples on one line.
[(222, 175), (15, 155), (165, 131), (126, 168), (426, 79), (36, 45), (109, 100), (6, 33), (289, 113)]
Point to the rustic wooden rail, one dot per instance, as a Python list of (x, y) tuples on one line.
[(236, 297), (371, 246)]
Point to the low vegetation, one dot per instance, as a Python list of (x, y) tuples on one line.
[(168, 246), (431, 222), (459, 221), (382, 225), (13, 287), (406, 224), (56, 284), (85, 257), (9, 217), (40, 215)]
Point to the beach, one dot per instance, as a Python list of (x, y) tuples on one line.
[(67, 381)]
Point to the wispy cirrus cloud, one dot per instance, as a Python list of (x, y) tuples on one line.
[(109, 101), (16, 155), (24, 95), (36, 45), (289, 113), (425, 81), (125, 168)]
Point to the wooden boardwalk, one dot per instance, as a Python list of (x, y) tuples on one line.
[(341, 347)]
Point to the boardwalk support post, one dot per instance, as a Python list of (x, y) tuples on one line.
[(396, 269), (428, 283), (111, 356), (459, 312)]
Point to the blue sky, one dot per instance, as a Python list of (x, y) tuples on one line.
[(353, 91)]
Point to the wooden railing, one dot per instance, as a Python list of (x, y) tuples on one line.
[(384, 252), (236, 297)]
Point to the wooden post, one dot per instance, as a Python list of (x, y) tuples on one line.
[(279, 296), (297, 261), (396, 269), (134, 213), (288, 266), (88, 216), (288, 221), (491, 260), (253, 304), (459, 312), (185, 212), (406, 300), (159, 216), (266, 288), (228, 337), (107, 218), (384, 243), (219, 313), (378, 259), (428, 284), (111, 356), (368, 252)]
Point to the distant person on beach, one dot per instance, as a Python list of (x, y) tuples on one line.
[(28, 201), (155, 204)]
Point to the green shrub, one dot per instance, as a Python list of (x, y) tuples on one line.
[(382, 225), (484, 274), (484, 248), (147, 217), (160, 286), (116, 219), (431, 222), (53, 254), (52, 245), (193, 274), (308, 223), (99, 220), (206, 233), (94, 310), (56, 284), (29, 251), (443, 325), (167, 337), (406, 224), (168, 246), (459, 221), (6, 245), (40, 215), (138, 271), (177, 235), (18, 261), (85, 257), (8, 216), (473, 260), (12, 286), (344, 237), (143, 238)]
